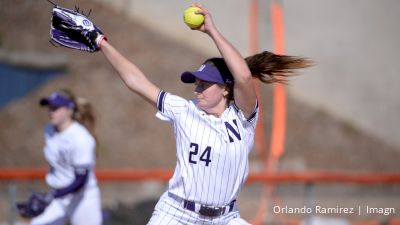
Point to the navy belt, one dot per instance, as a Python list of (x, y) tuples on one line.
[(204, 210)]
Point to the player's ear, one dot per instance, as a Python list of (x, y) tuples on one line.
[(226, 91)]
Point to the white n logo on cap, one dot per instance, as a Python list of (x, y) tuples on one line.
[(201, 68), (53, 96)]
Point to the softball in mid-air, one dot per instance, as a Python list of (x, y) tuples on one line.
[(192, 19)]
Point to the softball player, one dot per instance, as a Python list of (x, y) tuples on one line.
[(214, 132), (70, 151)]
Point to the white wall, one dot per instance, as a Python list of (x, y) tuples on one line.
[(356, 46)]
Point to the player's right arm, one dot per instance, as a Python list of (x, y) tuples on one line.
[(130, 74), (244, 91)]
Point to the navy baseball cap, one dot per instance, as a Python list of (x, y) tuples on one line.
[(212, 70), (56, 99)]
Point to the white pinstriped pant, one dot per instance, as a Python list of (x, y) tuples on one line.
[(169, 211)]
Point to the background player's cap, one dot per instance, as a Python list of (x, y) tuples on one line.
[(56, 99), (212, 70)]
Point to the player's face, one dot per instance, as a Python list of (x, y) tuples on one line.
[(210, 96), (59, 115)]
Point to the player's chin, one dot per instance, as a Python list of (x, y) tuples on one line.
[(201, 105), (53, 121)]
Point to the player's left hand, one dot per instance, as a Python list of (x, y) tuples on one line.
[(35, 205), (71, 29)]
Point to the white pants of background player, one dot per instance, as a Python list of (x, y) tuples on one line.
[(80, 208), (170, 211)]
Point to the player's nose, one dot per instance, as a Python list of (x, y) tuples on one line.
[(198, 89)]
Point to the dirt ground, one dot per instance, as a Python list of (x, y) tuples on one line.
[(129, 134)]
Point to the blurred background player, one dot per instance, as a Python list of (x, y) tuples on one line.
[(70, 151)]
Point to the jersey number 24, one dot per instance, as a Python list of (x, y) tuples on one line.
[(205, 155), (194, 151)]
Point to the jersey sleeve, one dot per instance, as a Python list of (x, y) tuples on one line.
[(170, 107), (81, 177), (250, 122), (83, 155)]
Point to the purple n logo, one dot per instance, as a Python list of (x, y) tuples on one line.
[(231, 130)]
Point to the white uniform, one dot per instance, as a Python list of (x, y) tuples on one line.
[(212, 160), (65, 152)]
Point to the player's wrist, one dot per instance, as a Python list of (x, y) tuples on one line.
[(49, 196), (99, 40), (213, 33)]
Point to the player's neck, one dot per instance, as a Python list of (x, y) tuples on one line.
[(64, 125), (217, 111), (218, 115)]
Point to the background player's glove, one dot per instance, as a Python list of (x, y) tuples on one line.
[(71, 29), (35, 205)]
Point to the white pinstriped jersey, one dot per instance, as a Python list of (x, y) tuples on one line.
[(212, 153), (67, 151)]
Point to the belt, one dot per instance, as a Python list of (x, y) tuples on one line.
[(204, 210)]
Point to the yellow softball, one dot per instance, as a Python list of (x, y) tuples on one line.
[(192, 19)]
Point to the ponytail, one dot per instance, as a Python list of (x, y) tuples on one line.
[(83, 112), (271, 68)]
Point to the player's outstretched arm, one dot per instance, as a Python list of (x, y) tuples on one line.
[(245, 95), (71, 29), (132, 76)]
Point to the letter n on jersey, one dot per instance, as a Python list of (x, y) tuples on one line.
[(231, 130)]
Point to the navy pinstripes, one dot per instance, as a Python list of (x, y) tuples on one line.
[(160, 101), (218, 182)]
